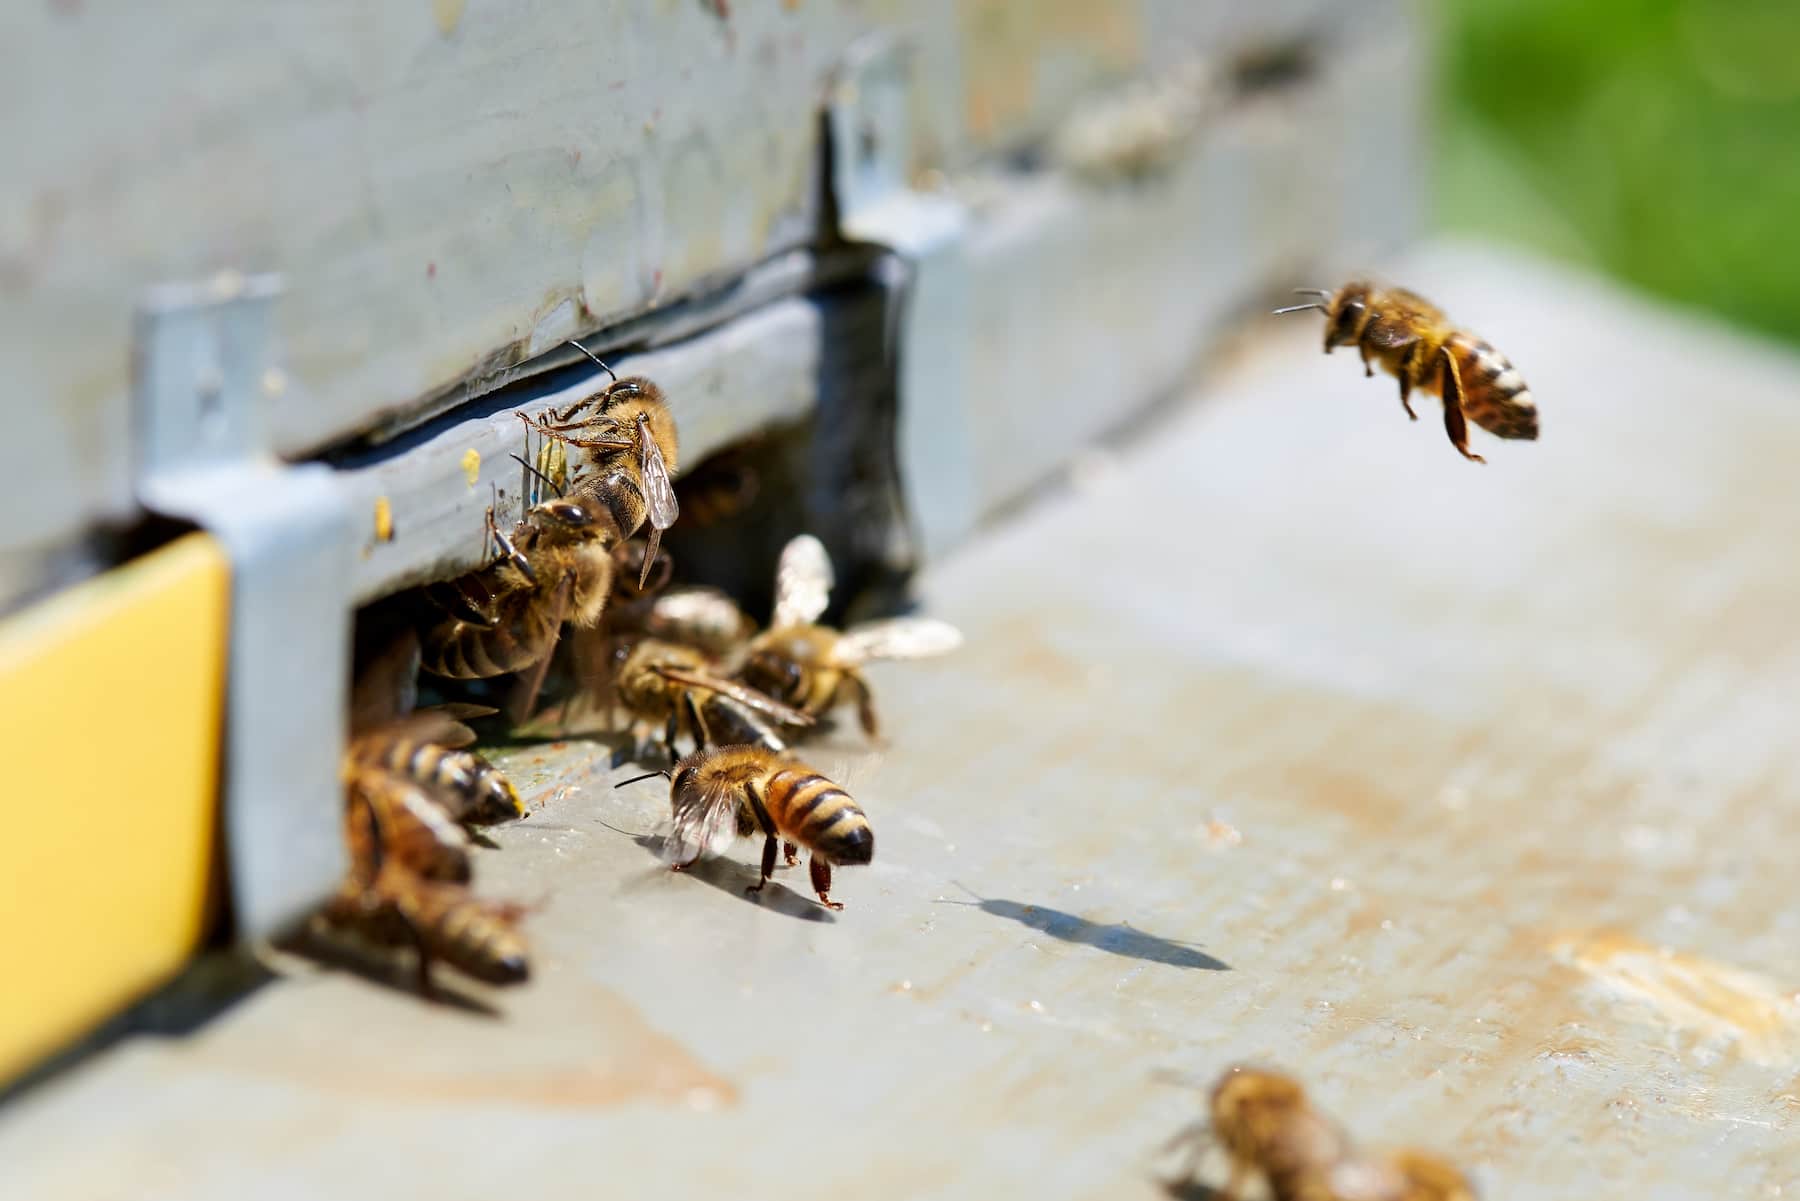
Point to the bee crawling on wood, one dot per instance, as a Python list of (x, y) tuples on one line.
[(1269, 1128), (1411, 339), (673, 687), (557, 566), (814, 667), (628, 426), (720, 794)]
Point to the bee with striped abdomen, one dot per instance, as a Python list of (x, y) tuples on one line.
[(391, 904), (1411, 339), (557, 567), (814, 667), (429, 748), (630, 432), (723, 793), (675, 687)]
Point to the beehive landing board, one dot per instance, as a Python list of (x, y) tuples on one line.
[(1467, 793)]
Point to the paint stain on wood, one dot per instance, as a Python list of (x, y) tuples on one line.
[(1709, 1000), (471, 465), (448, 14), (384, 519)]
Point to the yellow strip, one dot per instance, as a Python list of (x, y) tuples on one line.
[(110, 703)]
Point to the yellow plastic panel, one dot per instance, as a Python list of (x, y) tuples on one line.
[(110, 704)]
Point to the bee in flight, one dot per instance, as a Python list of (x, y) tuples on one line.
[(557, 567), (628, 426), (1410, 338), (814, 667), (720, 794)]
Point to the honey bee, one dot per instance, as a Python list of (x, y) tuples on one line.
[(416, 832), (628, 425), (1268, 1128), (429, 748), (677, 687), (697, 616), (393, 905), (557, 567), (1411, 339), (813, 667), (1400, 1176), (722, 793)]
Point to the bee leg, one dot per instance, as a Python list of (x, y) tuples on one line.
[(821, 881), (1362, 348), (768, 864), (865, 706), (1455, 424), (791, 854), (1406, 370), (422, 959), (1234, 1184), (670, 731)]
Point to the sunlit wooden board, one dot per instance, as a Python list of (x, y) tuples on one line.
[(1283, 734)]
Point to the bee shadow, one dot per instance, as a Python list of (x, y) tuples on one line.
[(1117, 938), (395, 970), (730, 876)]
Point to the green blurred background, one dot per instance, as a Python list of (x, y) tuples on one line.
[(1658, 140)]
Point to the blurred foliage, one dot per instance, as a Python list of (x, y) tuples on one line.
[(1658, 140)]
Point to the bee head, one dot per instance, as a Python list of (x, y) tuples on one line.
[(774, 674), (1347, 314)]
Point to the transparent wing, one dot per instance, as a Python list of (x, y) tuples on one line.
[(1416, 303), (898, 638), (659, 491), (748, 697), (705, 611), (525, 693), (803, 581), (705, 822)]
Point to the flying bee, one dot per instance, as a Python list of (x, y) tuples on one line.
[(692, 615), (678, 687), (1267, 1127), (393, 905), (814, 667), (1400, 1176), (629, 426), (557, 567), (1411, 339), (722, 793)]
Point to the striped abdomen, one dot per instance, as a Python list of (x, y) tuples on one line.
[(477, 938), (521, 630), (811, 811), (390, 819), (468, 787), (616, 485), (1494, 393)]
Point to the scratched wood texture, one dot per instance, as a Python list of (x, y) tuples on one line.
[(450, 187), (1282, 734)]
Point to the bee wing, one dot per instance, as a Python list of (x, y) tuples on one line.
[(411, 828), (705, 822), (1417, 303), (803, 580), (898, 638), (742, 694), (659, 491), (699, 609), (430, 725)]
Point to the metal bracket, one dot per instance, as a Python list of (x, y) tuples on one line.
[(204, 374), (869, 124)]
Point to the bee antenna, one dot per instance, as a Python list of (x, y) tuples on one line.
[(541, 476), (590, 354), (1320, 292), (1300, 308), (661, 772)]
